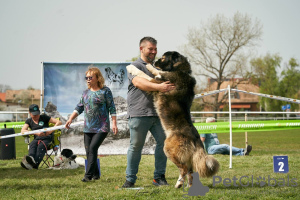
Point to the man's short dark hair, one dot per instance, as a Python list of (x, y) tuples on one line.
[(149, 39)]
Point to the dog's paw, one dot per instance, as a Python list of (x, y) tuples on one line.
[(149, 67), (130, 68), (158, 77), (179, 183)]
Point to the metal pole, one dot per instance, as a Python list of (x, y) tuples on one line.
[(42, 86), (246, 133), (230, 127)]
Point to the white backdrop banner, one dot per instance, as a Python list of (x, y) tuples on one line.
[(63, 86)]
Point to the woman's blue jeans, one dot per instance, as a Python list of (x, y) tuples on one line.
[(139, 127)]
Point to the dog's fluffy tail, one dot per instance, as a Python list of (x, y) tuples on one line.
[(204, 164)]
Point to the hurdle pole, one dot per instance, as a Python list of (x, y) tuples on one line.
[(42, 87), (246, 133), (230, 128), (42, 130)]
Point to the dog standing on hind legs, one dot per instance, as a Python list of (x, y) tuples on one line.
[(182, 145)]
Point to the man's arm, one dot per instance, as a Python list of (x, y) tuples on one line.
[(145, 85)]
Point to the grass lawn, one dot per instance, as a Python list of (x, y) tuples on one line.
[(17, 183)]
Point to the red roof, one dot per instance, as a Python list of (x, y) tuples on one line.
[(2, 97)]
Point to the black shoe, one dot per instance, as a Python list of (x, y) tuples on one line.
[(85, 179), (128, 184), (160, 181), (248, 150), (26, 166), (96, 178), (31, 161)]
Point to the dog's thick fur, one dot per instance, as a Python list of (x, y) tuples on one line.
[(67, 160), (182, 145)]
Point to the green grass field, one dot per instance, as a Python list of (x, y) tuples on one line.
[(17, 183)]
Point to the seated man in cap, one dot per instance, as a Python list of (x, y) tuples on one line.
[(38, 147), (213, 146)]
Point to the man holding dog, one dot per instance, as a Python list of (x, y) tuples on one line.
[(213, 146), (142, 117)]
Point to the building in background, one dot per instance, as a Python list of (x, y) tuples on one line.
[(22, 97), (239, 101), (17, 101)]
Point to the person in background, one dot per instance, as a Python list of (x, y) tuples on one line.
[(38, 146), (142, 117), (96, 103), (213, 146)]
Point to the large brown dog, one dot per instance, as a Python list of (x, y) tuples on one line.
[(182, 145)]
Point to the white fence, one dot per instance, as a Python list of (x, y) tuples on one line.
[(251, 116), (13, 116)]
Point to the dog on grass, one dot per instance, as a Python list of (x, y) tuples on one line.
[(182, 145), (67, 160)]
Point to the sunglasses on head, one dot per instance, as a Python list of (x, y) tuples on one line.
[(88, 78)]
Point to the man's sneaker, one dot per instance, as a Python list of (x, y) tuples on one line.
[(30, 160), (128, 184), (248, 150), (160, 181)]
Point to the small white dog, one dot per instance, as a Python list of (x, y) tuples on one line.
[(67, 160)]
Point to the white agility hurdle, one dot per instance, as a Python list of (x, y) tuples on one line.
[(72, 125), (201, 95)]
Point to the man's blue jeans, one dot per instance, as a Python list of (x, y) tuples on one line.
[(225, 149), (139, 127)]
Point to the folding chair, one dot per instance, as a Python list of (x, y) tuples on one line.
[(53, 147)]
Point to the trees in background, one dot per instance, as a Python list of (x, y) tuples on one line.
[(4, 87), (287, 84), (217, 49), (264, 73)]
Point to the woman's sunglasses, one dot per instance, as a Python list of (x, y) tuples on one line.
[(88, 78)]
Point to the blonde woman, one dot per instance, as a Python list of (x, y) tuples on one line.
[(96, 103)]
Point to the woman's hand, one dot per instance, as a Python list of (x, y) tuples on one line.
[(114, 125), (115, 129), (68, 123)]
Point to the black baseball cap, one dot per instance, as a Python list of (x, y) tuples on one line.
[(34, 109)]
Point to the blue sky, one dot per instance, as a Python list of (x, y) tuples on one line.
[(35, 31)]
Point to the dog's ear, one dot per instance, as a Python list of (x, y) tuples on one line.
[(72, 157), (182, 64), (176, 59)]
